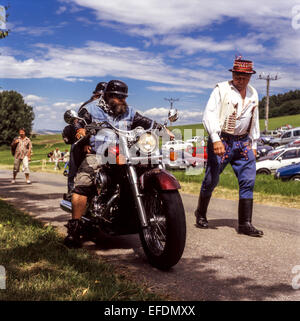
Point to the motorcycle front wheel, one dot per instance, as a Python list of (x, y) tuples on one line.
[(163, 240)]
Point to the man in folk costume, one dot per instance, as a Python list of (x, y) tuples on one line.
[(231, 119)]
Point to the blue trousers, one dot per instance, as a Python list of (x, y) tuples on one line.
[(241, 157)]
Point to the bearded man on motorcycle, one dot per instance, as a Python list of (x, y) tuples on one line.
[(112, 107), (68, 134)]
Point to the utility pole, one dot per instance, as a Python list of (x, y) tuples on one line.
[(171, 101), (268, 78)]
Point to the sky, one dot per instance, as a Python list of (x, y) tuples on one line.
[(58, 50)]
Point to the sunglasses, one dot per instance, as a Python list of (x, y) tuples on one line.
[(118, 96)]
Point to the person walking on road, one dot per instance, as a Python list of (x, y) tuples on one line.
[(57, 158), (21, 148), (231, 119)]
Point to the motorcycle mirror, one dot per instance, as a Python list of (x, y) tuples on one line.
[(173, 115), (70, 115)]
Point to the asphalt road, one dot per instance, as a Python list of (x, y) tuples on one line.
[(217, 264)]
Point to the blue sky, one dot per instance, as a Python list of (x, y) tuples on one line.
[(58, 50)]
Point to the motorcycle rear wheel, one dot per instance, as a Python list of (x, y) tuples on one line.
[(164, 239)]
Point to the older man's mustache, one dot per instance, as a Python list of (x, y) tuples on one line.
[(118, 108)]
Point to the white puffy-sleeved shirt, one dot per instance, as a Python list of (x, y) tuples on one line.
[(243, 114)]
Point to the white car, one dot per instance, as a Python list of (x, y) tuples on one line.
[(176, 145), (196, 139), (283, 158)]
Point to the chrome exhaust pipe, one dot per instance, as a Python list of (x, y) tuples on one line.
[(66, 206)]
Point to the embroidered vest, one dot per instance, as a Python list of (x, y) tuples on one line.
[(228, 111)]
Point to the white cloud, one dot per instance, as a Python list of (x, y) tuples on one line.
[(42, 108), (175, 89), (188, 45), (78, 63), (66, 105), (184, 116), (60, 104), (150, 17), (61, 10), (34, 100), (37, 31)]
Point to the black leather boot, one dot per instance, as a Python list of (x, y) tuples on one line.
[(73, 240), (245, 218), (200, 213)]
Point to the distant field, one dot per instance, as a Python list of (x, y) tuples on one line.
[(277, 122), (274, 123), (42, 145)]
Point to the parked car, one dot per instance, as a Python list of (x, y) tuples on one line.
[(290, 172), (283, 158), (294, 143), (183, 160), (193, 160), (262, 149), (196, 139), (176, 145), (285, 128), (200, 152), (266, 138), (271, 154), (286, 138)]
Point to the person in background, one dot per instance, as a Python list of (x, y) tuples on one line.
[(21, 148), (56, 158), (66, 156)]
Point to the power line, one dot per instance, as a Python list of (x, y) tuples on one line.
[(171, 101), (268, 78)]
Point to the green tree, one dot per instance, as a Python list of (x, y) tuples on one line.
[(281, 104), (15, 114)]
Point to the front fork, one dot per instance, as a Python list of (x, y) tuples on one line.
[(134, 182), (137, 195)]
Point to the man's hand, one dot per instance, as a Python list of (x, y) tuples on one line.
[(172, 136), (87, 149), (219, 148), (254, 152), (80, 133)]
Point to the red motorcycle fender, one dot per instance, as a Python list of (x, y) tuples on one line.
[(160, 179)]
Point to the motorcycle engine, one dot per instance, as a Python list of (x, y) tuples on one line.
[(102, 181)]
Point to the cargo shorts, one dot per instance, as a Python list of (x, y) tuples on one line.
[(84, 182), (25, 165)]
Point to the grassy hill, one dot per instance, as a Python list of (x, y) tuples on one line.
[(43, 144), (277, 122), (274, 123)]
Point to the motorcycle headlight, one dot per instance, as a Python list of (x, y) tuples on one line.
[(147, 143)]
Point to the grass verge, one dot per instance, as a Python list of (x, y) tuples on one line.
[(39, 267), (260, 198), (264, 184)]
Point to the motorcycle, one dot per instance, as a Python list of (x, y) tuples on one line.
[(135, 194)]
